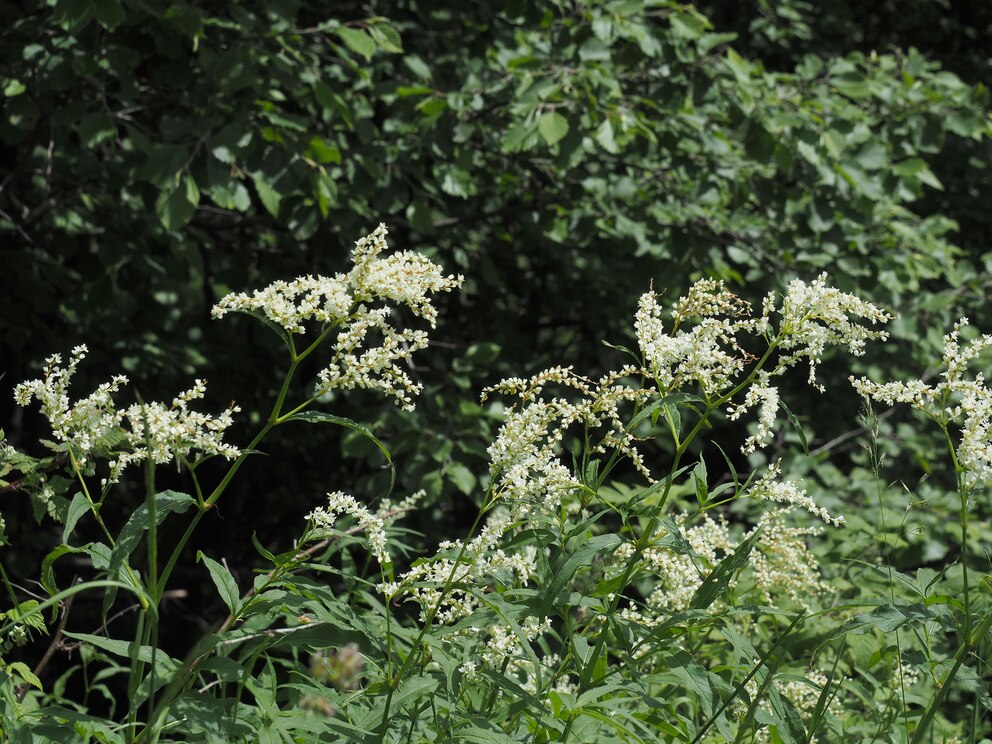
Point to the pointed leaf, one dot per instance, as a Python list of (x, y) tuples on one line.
[(227, 587), (357, 41), (717, 582), (319, 417), (77, 508)]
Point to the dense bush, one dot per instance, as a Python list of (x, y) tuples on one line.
[(626, 596), (562, 157)]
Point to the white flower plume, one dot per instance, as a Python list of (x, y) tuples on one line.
[(369, 351)]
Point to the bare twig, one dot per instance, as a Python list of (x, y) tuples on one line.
[(56, 643)]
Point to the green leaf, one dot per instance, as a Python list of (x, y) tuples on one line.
[(96, 128), (22, 112), (77, 508), (387, 37), (790, 728), (357, 41), (583, 555), (716, 583), (124, 649), (263, 551), (703, 686), (689, 24), (739, 67), (604, 136), (326, 191), (319, 417), (709, 41), (700, 482), (231, 195), (461, 477), (227, 587), (519, 136), (413, 689), (267, 193), (48, 573), (797, 426), (13, 87), (176, 205), (414, 90), (24, 672), (432, 106), (886, 619), (417, 66), (166, 503), (108, 13), (552, 126), (322, 151)]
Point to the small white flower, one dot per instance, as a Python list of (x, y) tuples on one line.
[(369, 352), (955, 400), (151, 429), (769, 488), (761, 391), (372, 525), (291, 304), (707, 353), (815, 316)]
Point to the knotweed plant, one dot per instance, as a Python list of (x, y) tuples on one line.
[(614, 586)]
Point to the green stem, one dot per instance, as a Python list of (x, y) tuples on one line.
[(146, 634), (95, 510), (648, 534), (743, 683), (275, 417), (231, 471), (963, 519), (428, 620), (964, 649)]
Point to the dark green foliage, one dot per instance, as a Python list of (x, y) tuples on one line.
[(562, 156)]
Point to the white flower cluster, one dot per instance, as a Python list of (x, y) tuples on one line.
[(780, 563), (524, 463), (678, 575), (388, 512), (83, 424), (373, 525), (709, 353), (358, 362), (708, 298), (760, 391), (768, 487), (504, 652), (803, 694), (815, 316), (958, 400), (406, 278), (368, 349), (904, 675), (481, 562), (503, 643), (164, 432), (291, 304), (528, 478), (153, 430)]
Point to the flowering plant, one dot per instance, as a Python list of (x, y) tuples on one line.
[(610, 589)]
